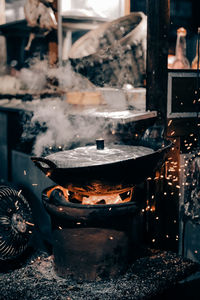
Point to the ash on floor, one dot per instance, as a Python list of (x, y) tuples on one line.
[(146, 278)]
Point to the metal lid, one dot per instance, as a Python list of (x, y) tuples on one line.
[(91, 156)]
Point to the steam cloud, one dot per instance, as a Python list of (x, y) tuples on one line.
[(58, 128), (39, 76), (55, 125)]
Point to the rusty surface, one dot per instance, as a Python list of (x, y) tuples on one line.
[(90, 253)]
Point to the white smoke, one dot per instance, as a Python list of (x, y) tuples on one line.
[(39, 76), (62, 129), (56, 125)]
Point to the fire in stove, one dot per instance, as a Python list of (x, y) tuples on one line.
[(90, 196)]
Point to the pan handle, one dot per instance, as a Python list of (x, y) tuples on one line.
[(39, 161)]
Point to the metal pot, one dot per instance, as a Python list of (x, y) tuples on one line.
[(115, 164)]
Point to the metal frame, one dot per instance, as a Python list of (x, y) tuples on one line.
[(172, 75)]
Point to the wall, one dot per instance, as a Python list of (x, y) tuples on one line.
[(14, 10), (106, 9)]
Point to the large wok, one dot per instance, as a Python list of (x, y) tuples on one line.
[(114, 165)]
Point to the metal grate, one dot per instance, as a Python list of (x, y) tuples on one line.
[(15, 223)]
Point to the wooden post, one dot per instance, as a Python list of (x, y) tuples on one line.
[(3, 53), (158, 12), (2, 12), (53, 43), (127, 7)]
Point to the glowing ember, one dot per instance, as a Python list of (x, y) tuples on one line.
[(64, 191), (90, 196), (30, 224), (102, 199)]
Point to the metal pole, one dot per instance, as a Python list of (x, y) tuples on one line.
[(158, 12)]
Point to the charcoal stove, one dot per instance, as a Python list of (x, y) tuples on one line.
[(93, 207), (91, 241)]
